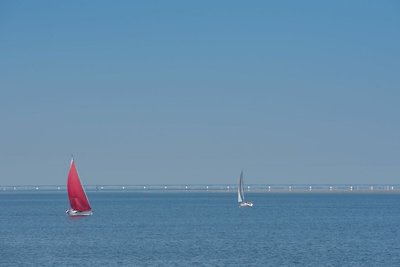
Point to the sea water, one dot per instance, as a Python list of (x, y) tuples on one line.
[(201, 229)]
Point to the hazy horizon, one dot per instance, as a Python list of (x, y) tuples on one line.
[(192, 93)]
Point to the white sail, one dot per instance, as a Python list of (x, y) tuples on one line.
[(240, 189)]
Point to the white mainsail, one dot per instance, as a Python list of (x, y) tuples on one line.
[(240, 189)]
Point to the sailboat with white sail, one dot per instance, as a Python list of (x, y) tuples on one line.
[(78, 200), (241, 199)]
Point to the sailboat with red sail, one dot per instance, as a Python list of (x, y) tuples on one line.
[(77, 197)]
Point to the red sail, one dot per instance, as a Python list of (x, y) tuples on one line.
[(76, 194)]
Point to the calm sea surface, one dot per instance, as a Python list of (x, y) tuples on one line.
[(201, 229)]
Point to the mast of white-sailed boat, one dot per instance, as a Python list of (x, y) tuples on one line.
[(242, 187)]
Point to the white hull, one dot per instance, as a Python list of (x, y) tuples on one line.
[(246, 204), (72, 212)]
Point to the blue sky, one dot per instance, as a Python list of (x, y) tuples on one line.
[(163, 92)]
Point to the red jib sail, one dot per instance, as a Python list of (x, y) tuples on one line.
[(76, 194)]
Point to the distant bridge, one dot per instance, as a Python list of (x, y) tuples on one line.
[(217, 187)]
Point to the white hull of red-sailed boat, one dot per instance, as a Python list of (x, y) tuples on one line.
[(72, 212)]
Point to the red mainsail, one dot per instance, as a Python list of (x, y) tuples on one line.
[(76, 194)]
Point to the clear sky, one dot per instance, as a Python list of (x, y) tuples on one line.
[(162, 92)]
